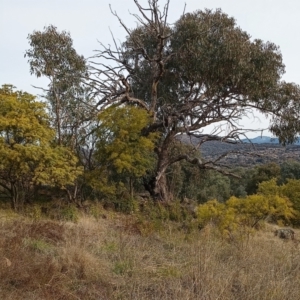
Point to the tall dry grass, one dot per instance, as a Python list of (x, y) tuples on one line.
[(121, 257)]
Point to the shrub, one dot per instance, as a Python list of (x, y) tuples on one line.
[(240, 215)]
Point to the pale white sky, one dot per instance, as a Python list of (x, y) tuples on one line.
[(89, 21)]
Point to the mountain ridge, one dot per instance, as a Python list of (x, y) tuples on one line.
[(265, 140), (248, 152)]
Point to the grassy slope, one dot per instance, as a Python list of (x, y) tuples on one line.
[(120, 257)]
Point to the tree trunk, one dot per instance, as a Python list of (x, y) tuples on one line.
[(72, 193), (161, 188), (57, 113), (131, 187), (158, 185), (17, 197)]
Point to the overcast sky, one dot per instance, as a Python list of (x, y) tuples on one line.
[(89, 21)]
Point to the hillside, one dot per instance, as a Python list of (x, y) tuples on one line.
[(265, 140), (246, 153), (118, 256)]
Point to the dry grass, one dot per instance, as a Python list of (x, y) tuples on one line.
[(120, 257)]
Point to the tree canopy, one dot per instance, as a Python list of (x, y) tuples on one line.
[(240, 214), (200, 71), (52, 55), (28, 155), (121, 148)]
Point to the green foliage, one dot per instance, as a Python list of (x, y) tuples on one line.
[(34, 212), (184, 178), (226, 57), (213, 186), (268, 188), (238, 185), (27, 154), (69, 213), (291, 190), (278, 205), (240, 213), (121, 142), (250, 178), (211, 211), (96, 210), (38, 245), (122, 267), (262, 173), (52, 55), (201, 70), (274, 192), (23, 120), (58, 167), (122, 153), (169, 272), (289, 170)]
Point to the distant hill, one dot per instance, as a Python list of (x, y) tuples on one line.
[(265, 140), (259, 150)]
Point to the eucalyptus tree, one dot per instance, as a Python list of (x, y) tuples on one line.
[(202, 70), (289, 169), (52, 55)]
